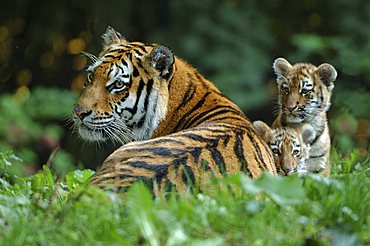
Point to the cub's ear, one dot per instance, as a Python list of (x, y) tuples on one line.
[(281, 67), (308, 134), (327, 74), (112, 37), (161, 59), (263, 130)]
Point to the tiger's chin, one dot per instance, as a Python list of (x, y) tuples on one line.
[(91, 135), (295, 119)]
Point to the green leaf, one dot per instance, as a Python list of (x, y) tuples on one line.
[(282, 190), (78, 177), (140, 205)]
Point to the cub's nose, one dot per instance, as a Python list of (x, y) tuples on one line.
[(81, 112), (291, 108)]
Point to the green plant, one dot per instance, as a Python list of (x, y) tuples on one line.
[(44, 209)]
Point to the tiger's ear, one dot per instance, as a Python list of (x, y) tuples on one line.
[(281, 67), (327, 74), (161, 59), (112, 37), (308, 133), (263, 130)]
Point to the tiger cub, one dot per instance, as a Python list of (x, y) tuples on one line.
[(177, 128), (290, 146), (304, 94)]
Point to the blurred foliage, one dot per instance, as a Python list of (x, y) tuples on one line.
[(31, 126), (231, 42)]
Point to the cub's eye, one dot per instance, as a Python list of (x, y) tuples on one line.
[(275, 151), (119, 84), (295, 152), (305, 91)]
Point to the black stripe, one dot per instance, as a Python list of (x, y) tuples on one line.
[(119, 50), (142, 48), (113, 57), (157, 141), (187, 174), (206, 128), (231, 118), (189, 94), (149, 87), (321, 94), (138, 52), (195, 153), (218, 159), (124, 63), (110, 71), (145, 165), (239, 152), (148, 91), (162, 175), (227, 109), (257, 148), (160, 151), (192, 110), (135, 73), (138, 93), (195, 137)]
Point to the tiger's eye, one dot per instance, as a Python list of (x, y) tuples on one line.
[(305, 91), (275, 151), (286, 90), (295, 152), (119, 84)]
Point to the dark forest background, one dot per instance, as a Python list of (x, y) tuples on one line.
[(233, 43)]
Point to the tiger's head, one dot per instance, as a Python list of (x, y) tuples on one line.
[(126, 92), (290, 147), (304, 91)]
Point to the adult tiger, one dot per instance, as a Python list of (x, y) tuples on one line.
[(304, 97), (178, 127)]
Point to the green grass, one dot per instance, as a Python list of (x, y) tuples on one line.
[(46, 210)]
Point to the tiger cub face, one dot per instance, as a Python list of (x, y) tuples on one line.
[(304, 91), (126, 92), (290, 147)]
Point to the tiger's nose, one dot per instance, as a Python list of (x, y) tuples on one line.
[(81, 112), (291, 108)]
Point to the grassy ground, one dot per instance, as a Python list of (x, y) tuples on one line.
[(48, 210)]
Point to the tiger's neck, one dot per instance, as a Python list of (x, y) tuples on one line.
[(193, 100)]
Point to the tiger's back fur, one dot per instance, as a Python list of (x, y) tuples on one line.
[(304, 96), (177, 125)]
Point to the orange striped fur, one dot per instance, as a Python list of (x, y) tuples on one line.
[(176, 127)]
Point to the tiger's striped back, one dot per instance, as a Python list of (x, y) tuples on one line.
[(172, 121)]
